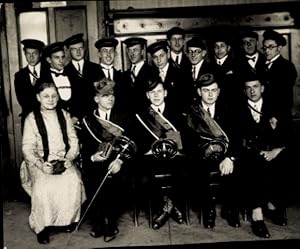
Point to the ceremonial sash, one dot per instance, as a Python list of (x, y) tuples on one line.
[(159, 127), (101, 129), (206, 126)]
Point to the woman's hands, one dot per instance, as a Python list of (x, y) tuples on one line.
[(47, 168)]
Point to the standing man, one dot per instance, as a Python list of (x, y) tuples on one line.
[(197, 54), (26, 78), (213, 147), (55, 56), (251, 59), (83, 73), (224, 68), (168, 74), (136, 77), (176, 41), (106, 52), (280, 74)]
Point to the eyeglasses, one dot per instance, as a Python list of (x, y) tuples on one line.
[(196, 52), (271, 47)]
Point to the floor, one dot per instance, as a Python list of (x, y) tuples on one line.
[(17, 234)]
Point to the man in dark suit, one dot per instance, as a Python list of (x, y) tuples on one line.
[(176, 41), (106, 51), (251, 59), (279, 75), (172, 79), (197, 54), (158, 126), (213, 147), (83, 73), (101, 129), (55, 56), (26, 78), (225, 69), (136, 77), (264, 160)]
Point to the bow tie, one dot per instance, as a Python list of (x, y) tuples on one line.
[(251, 58), (58, 74)]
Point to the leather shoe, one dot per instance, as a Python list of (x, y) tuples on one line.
[(277, 216), (177, 215), (209, 217), (70, 228), (160, 220), (110, 232), (232, 217), (43, 237), (260, 229), (97, 231)]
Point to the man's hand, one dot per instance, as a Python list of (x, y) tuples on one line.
[(97, 157), (271, 154), (226, 166), (115, 166)]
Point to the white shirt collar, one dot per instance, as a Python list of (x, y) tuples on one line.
[(138, 67), (103, 114), (273, 59), (174, 55), (212, 108), (256, 105), (75, 63), (221, 60), (197, 68), (106, 66), (37, 68), (160, 107)]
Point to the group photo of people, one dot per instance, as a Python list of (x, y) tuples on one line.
[(194, 124)]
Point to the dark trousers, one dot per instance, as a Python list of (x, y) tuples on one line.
[(157, 178), (209, 188), (264, 181)]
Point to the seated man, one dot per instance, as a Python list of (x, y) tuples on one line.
[(264, 155), (105, 150), (158, 141), (212, 149)]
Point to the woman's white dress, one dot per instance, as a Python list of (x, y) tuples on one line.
[(55, 199)]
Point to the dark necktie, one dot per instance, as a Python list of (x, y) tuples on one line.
[(177, 60), (79, 69), (35, 72), (106, 116), (158, 110), (208, 111), (194, 72), (132, 73), (35, 76)]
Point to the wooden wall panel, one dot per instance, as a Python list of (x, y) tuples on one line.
[(142, 4)]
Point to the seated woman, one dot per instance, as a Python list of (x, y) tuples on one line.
[(48, 173)]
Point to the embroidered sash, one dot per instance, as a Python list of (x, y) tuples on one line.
[(159, 127), (206, 126)]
